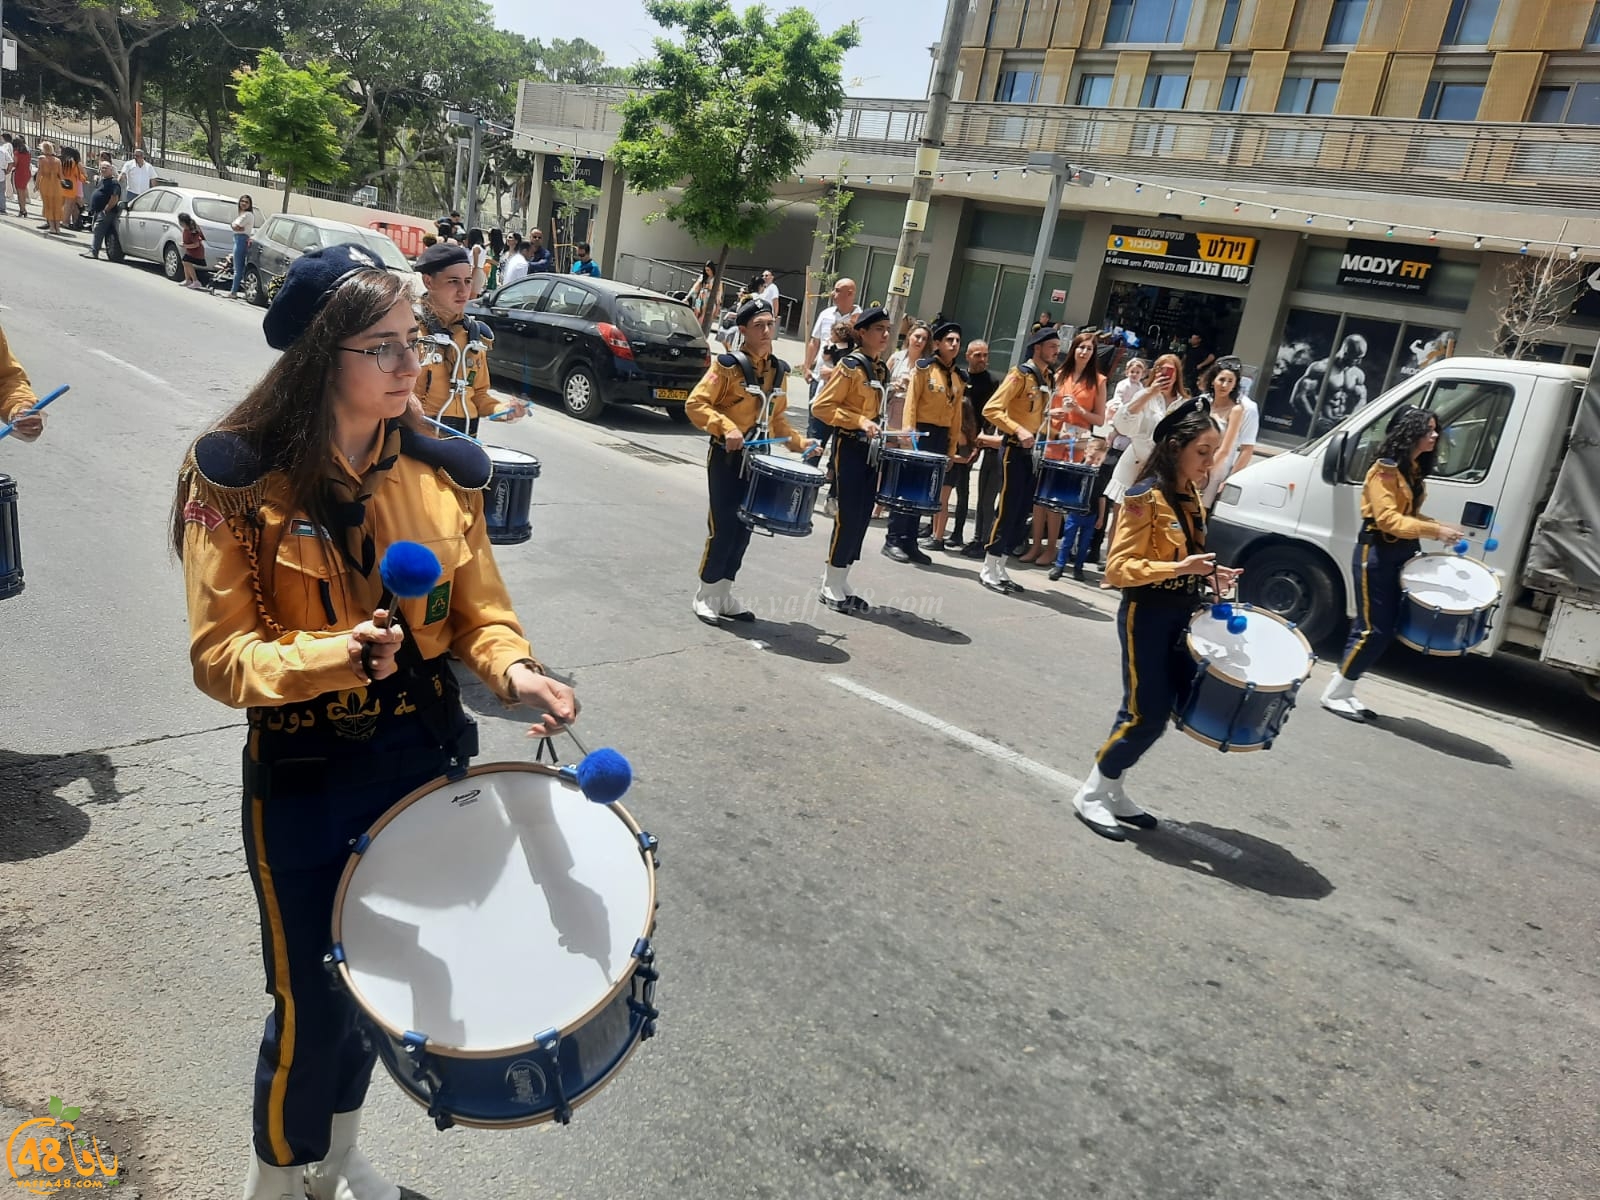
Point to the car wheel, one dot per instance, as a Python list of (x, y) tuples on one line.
[(255, 292), (172, 263), (580, 394), (1298, 585), (114, 250), (679, 414)]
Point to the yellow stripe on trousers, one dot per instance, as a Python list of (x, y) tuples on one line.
[(1130, 680), (838, 509), (1366, 619), (280, 989), (711, 518), (1000, 502)]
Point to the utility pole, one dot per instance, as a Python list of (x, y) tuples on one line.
[(1058, 168), (916, 220), (472, 172)]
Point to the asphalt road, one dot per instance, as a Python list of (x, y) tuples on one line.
[(1360, 965)]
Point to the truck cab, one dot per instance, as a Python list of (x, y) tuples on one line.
[(1292, 520)]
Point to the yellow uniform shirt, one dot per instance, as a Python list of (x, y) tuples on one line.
[(16, 393), (1151, 539), (721, 403), (935, 397), (1387, 501), (455, 380), (273, 597), (1018, 405), (849, 400)]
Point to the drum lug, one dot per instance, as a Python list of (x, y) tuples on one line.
[(416, 1048), (359, 845), (650, 844), (643, 1001), (548, 1044), (332, 959)]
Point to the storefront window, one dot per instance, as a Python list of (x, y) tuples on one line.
[(1162, 318), (1018, 233), (880, 214)]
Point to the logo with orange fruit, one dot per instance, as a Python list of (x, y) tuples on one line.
[(48, 1154)]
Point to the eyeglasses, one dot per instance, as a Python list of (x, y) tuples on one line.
[(390, 355)]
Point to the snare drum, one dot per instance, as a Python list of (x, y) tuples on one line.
[(10, 540), (494, 932), (910, 480), (508, 502), (780, 494), (1446, 603), (1064, 486), (1245, 683)]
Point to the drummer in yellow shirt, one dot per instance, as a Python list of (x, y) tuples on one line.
[(16, 396), (1392, 524), (454, 384), (935, 401)]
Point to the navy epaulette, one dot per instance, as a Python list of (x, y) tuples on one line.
[(1141, 488), (225, 472), (1387, 462), (466, 464), (924, 363), (728, 360)]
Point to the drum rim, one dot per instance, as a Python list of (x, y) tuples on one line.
[(526, 459), (784, 464), (443, 1049), (1433, 653), (1251, 610), (541, 1118), (902, 452), (1499, 589), (1232, 747)]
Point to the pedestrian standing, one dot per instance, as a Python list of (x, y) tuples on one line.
[(981, 385), (1079, 404), (584, 263), (21, 173), (478, 259), (497, 254), (137, 176), (1236, 416), (244, 227), (516, 262), (277, 518), (72, 173), (7, 159), (104, 207), (194, 250)]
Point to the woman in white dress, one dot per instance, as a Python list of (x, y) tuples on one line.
[(1236, 417), (1137, 418)]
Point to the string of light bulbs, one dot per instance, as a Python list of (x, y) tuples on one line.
[(1274, 211)]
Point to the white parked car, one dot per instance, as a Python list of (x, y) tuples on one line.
[(148, 228), (284, 237)]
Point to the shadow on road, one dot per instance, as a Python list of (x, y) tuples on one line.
[(1238, 858), (795, 639), (914, 624), (1442, 740), (34, 821)]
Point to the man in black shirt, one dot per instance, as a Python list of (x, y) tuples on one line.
[(980, 386), (104, 208), (1197, 356)]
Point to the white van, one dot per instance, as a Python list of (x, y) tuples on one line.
[(1516, 437)]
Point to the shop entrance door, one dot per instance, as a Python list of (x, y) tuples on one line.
[(1163, 317)]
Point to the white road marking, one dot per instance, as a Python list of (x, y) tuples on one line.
[(961, 736), (128, 366)]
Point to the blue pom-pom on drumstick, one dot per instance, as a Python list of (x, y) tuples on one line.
[(1491, 545), (1237, 623), (604, 775), (409, 570), (1221, 611), (1463, 546)]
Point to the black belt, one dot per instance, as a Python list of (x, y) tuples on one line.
[(1371, 535)]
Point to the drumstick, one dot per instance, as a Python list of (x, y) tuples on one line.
[(5, 430), (408, 570), (603, 776)]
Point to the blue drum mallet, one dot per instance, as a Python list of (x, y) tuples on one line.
[(603, 776), (5, 430), (408, 571)]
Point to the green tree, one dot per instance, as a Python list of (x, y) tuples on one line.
[(291, 118), (835, 231), (728, 113)]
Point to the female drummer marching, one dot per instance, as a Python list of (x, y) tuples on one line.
[(281, 517), (935, 405), (1391, 525), (852, 402), (453, 385), (1158, 559), (722, 405), (1016, 410)]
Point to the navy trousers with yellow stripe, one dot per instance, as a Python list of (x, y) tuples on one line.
[(1016, 500), (307, 797), (727, 537), (1375, 571), (854, 485), (1156, 673)]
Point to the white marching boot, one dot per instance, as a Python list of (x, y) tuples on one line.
[(1096, 803), (267, 1182), (994, 576), (836, 590), (707, 604), (1339, 697), (729, 605), (346, 1174), (1117, 801)]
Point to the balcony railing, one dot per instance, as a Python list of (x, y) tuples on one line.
[(1502, 164)]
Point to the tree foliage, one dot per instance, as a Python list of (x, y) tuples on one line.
[(291, 118), (728, 112)]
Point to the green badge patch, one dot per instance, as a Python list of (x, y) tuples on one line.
[(438, 604)]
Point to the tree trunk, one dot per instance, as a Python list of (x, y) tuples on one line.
[(213, 124), (288, 186)]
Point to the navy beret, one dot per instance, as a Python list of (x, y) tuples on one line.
[(437, 258), (1180, 413), (871, 317), (944, 327), (750, 310), (1048, 334), (310, 280)]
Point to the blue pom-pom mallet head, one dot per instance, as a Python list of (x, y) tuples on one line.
[(604, 776), (1463, 546), (1491, 545), (1237, 623), (1221, 611), (409, 570)]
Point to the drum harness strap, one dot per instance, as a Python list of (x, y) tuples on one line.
[(441, 336), (768, 399)]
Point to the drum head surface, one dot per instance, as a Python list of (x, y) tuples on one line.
[(1267, 653), (504, 454), (773, 464), (914, 455), (1450, 583), (491, 909)]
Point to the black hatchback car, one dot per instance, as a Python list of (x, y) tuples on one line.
[(594, 342)]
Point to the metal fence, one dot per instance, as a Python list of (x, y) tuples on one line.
[(1501, 163)]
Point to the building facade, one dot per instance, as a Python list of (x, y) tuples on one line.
[(1336, 191)]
